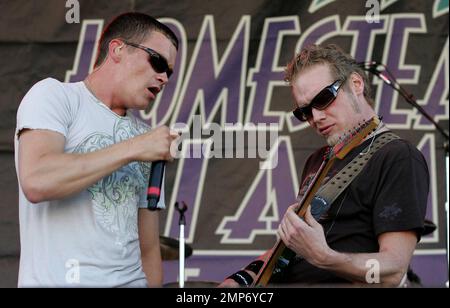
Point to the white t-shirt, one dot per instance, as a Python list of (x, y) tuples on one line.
[(89, 239)]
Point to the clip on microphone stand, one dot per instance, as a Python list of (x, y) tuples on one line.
[(372, 67), (182, 221)]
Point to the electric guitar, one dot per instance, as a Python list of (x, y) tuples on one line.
[(280, 255)]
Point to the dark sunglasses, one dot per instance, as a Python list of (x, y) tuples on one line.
[(158, 62), (321, 101)]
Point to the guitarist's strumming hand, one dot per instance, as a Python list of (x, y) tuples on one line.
[(305, 237)]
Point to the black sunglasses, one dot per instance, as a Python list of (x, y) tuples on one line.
[(321, 101), (158, 62)]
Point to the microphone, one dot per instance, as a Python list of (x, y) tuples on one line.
[(155, 183), (372, 67)]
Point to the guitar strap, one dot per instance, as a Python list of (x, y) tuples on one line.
[(329, 192)]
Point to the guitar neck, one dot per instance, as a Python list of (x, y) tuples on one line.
[(280, 254), (269, 265)]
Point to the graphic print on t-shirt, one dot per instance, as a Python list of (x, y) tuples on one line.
[(115, 197)]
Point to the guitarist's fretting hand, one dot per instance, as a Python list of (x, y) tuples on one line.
[(230, 283), (305, 237)]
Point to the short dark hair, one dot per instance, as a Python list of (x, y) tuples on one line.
[(133, 27), (340, 63)]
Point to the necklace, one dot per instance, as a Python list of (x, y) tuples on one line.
[(380, 128)]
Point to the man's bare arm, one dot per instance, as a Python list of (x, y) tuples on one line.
[(150, 247), (47, 173)]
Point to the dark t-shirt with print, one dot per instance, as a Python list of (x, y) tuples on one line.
[(390, 194)]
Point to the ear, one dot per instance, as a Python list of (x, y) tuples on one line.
[(115, 50), (357, 84)]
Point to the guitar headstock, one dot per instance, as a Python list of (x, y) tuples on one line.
[(353, 138)]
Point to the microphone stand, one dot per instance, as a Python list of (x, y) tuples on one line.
[(372, 67), (182, 221)]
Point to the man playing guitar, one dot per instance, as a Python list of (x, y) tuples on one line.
[(372, 224)]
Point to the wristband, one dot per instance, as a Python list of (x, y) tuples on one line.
[(242, 277)]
